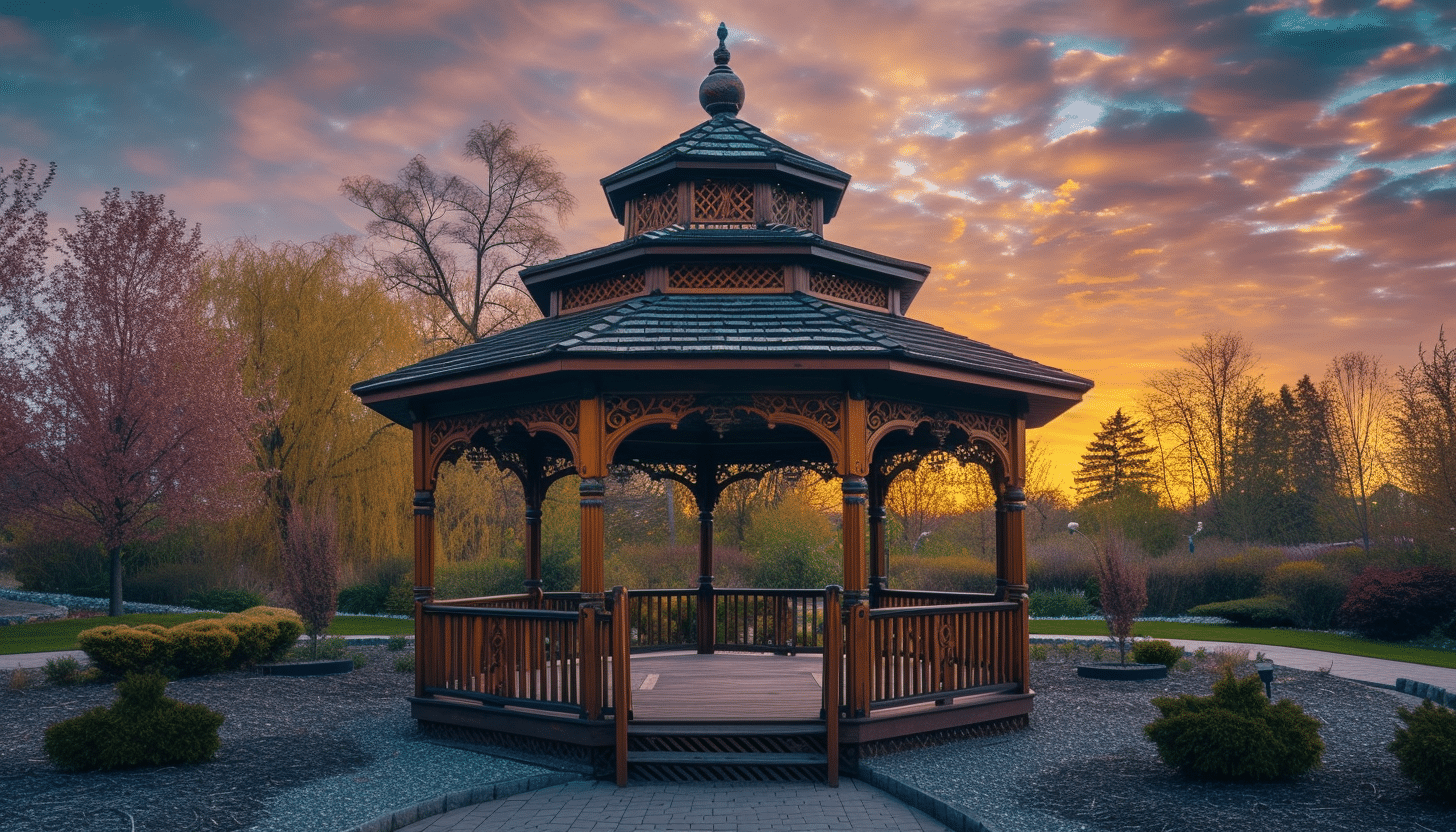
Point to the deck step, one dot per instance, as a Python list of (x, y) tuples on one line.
[(721, 758), (725, 729)]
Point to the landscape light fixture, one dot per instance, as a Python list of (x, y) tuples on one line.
[(1266, 675)]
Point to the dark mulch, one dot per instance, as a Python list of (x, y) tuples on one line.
[(1084, 764), (279, 733)]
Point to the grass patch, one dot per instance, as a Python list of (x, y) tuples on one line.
[(48, 636), (1302, 639)]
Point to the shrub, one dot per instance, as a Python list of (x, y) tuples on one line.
[(1399, 605), (1039, 652), (405, 663), (224, 600), (401, 601), (477, 578), (1060, 603), (289, 627), (202, 647), (1235, 734), (1157, 651), (116, 649), (68, 670), (19, 679), (255, 636), (946, 574), (363, 599), (168, 583), (143, 728), (396, 643), (1250, 612), (1313, 592), (1426, 748)]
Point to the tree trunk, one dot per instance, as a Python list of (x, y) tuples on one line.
[(115, 554)]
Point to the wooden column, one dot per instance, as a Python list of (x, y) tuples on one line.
[(424, 585), (533, 546), (856, 582), (592, 466), (879, 553), (707, 603)]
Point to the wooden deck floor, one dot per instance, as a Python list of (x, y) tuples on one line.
[(725, 686)]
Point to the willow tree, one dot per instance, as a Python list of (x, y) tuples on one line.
[(311, 327), (133, 404)]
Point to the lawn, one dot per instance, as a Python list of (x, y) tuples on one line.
[(1303, 639), (46, 636)]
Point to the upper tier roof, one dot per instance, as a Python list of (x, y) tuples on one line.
[(726, 143)]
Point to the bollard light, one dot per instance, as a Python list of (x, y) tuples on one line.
[(1266, 675)]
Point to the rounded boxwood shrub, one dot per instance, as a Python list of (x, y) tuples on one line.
[(202, 647), (1267, 611), (1426, 748), (1157, 651), (1235, 734), (288, 627), (117, 649), (1399, 605), (255, 638), (143, 728)]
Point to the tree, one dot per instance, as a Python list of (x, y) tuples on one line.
[(1357, 391), (1122, 591), (135, 404), (1117, 461), (310, 327), (311, 569), (1197, 411), (1424, 436), (1312, 464), (24, 239), (463, 244)]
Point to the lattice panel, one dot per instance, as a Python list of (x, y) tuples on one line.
[(793, 208), (722, 202), (655, 211), (611, 288), (850, 289), (729, 278)]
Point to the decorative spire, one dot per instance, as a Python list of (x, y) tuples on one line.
[(722, 91)]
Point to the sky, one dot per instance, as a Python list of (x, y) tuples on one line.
[(1095, 185)]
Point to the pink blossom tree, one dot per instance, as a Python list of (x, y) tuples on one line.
[(24, 239), (132, 406)]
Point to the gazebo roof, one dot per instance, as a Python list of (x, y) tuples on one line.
[(663, 327), (724, 143)]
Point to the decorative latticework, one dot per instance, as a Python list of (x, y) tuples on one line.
[(726, 278), (654, 211), (722, 203), (850, 289), (597, 291), (793, 208)]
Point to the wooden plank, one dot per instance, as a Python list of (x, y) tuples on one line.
[(726, 758)]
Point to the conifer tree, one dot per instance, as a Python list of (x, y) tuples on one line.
[(1117, 461)]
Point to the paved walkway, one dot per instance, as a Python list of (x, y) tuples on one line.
[(592, 806)]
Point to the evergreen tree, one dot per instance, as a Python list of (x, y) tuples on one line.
[(1117, 461)]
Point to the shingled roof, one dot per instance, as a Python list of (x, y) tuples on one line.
[(727, 139), (707, 326)]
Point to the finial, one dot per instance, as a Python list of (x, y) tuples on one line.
[(722, 91)]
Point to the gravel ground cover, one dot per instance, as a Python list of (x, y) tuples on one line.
[(1084, 764), (310, 754), (328, 753)]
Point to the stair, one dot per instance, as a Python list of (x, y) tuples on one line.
[(765, 752)]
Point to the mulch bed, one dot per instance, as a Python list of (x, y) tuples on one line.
[(1082, 764), (279, 733)]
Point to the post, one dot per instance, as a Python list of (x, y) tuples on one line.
[(707, 604), (853, 489), (621, 676), (1011, 572), (593, 535), (589, 662), (424, 585), (833, 658)]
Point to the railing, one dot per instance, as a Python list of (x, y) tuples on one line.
[(663, 619), (884, 598), (506, 655), (770, 620), (934, 652)]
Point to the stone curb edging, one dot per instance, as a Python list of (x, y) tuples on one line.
[(1437, 695), (958, 819), (400, 818)]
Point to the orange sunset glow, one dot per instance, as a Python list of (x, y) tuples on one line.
[(1095, 185)]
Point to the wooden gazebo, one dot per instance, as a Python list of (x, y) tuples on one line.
[(723, 338)]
